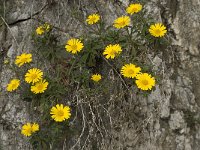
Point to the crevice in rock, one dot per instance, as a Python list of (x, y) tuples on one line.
[(164, 13), (173, 5), (4, 46), (19, 21), (28, 18)]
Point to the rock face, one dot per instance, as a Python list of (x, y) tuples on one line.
[(168, 119)]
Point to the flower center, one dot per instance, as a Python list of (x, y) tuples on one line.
[(93, 19), (134, 9), (112, 52), (145, 82), (24, 59), (123, 23), (40, 87), (34, 76), (131, 71), (96, 78), (74, 47), (29, 130), (14, 85), (60, 113), (157, 31), (40, 30)]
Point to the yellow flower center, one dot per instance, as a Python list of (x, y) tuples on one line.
[(134, 9), (92, 19), (96, 78), (123, 23), (60, 113), (40, 30), (112, 52), (40, 87), (145, 82), (34, 76), (131, 71), (23, 59), (28, 131), (14, 85), (74, 47), (157, 31)]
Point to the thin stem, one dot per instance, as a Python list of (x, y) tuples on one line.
[(72, 66), (116, 72)]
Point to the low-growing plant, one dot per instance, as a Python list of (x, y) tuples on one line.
[(78, 73)]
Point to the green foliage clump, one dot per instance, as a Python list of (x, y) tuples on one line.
[(70, 75)]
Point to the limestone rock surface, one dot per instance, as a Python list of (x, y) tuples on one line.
[(165, 120)]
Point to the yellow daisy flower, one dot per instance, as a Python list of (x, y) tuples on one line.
[(35, 127), (40, 30), (46, 26), (39, 87), (74, 46), (33, 75), (96, 77), (13, 85), (60, 113), (157, 30), (144, 81), (22, 59), (112, 50), (130, 70), (28, 129), (122, 22), (133, 8), (93, 18)]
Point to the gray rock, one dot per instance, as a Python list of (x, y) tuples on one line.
[(156, 122), (176, 121)]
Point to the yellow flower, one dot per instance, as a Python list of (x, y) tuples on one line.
[(92, 19), (46, 26), (145, 81), (60, 113), (33, 75), (28, 129), (35, 127), (40, 30), (74, 46), (130, 70), (96, 77), (13, 85), (122, 22), (39, 87), (112, 50), (157, 30), (22, 59), (133, 8)]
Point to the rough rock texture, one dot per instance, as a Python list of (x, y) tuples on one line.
[(167, 120)]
